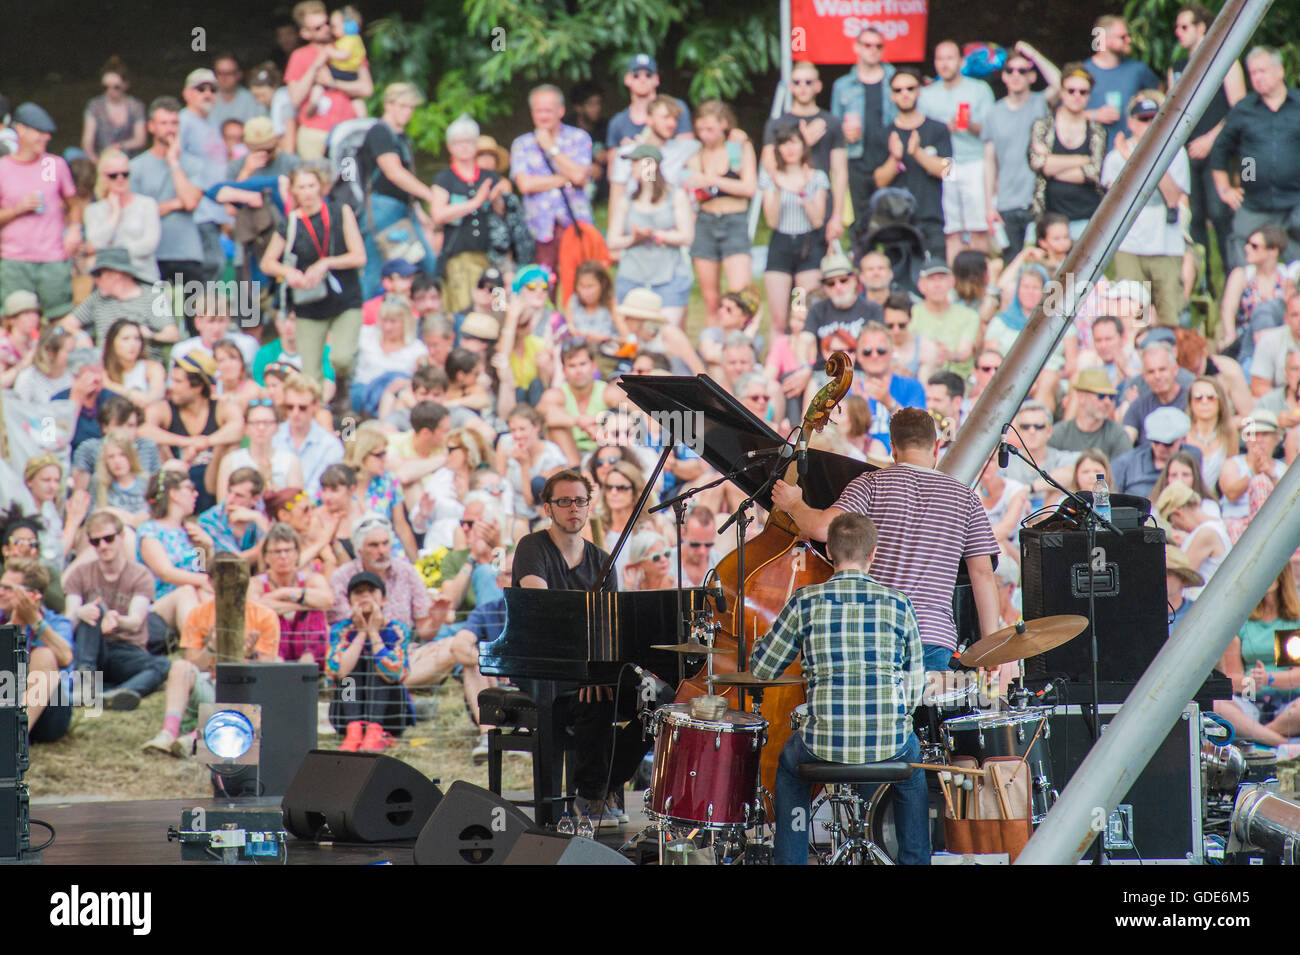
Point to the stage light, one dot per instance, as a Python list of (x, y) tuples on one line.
[(1287, 647), (228, 734)]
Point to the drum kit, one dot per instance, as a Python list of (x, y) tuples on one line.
[(706, 777)]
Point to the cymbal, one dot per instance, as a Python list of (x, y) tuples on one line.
[(1040, 635), (747, 679), (690, 648)]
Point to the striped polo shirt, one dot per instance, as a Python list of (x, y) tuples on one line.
[(928, 524)]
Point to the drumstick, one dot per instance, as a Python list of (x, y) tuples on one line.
[(935, 768), (943, 777), (1041, 724), (997, 785), (968, 785)]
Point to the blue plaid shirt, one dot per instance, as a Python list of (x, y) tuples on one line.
[(863, 660)]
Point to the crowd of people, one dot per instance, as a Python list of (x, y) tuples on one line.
[(378, 422)]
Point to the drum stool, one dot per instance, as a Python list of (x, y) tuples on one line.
[(849, 831), (512, 714)]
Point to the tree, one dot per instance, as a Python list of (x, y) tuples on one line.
[(1151, 24), (475, 59)]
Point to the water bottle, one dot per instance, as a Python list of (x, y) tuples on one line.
[(1101, 497), (585, 829), (565, 826)]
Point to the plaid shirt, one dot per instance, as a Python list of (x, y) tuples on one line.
[(862, 656)]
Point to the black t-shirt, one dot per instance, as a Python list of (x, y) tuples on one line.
[(1074, 200), (537, 556), (875, 137), (380, 140), (470, 233), (824, 320), (925, 188), (330, 238), (1214, 113)]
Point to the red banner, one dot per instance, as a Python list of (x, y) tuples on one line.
[(824, 30)]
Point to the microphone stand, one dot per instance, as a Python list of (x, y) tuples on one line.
[(1092, 520)]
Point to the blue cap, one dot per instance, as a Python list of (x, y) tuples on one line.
[(31, 115), (643, 61), (397, 267)]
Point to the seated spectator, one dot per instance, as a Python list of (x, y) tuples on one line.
[(48, 373), (876, 381), (1111, 351), (367, 456), (853, 416), (369, 649), (1185, 468), (988, 361), (1194, 357), (1252, 655), (417, 453), (406, 599), (1006, 502), (292, 506), (527, 459), (1248, 290), (649, 564), (273, 378), (1284, 400), (1179, 579), (20, 538), (1090, 463), (278, 467), (914, 356), (1092, 425), (86, 392), (1033, 432), (1246, 480), (755, 392), (48, 641), (525, 333), (236, 525), (1159, 372), (192, 679), (1268, 366), (173, 547), (315, 447), (1213, 431), (43, 477), (1203, 539), (298, 597), (386, 354), (122, 218), (120, 483), (469, 571), (592, 314), (951, 328), (234, 383), (109, 597), (643, 312), (738, 315), (1005, 327), (1163, 432), (875, 277), (463, 391), (572, 411), (396, 279), (127, 370), (789, 361), (428, 383), (22, 322), (212, 322)]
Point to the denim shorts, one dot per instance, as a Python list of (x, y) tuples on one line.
[(674, 293), (792, 254), (718, 237)]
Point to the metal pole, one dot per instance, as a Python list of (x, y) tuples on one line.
[(1173, 677), (1227, 37)]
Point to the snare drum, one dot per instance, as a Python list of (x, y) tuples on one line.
[(947, 694), (982, 735), (705, 771)]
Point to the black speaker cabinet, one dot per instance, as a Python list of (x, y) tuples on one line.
[(471, 826), (1128, 577), (15, 824), (362, 797), (1159, 819), (545, 848), (287, 694)]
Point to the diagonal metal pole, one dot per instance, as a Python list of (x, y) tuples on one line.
[(1223, 43), (1153, 706)]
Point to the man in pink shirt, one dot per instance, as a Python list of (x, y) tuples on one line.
[(308, 67), (40, 224)]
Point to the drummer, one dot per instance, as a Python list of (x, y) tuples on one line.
[(929, 523), (862, 655)]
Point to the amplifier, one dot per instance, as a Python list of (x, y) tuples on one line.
[(15, 824), (1159, 820), (1127, 573)]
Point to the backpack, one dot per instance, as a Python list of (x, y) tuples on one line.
[(344, 143)]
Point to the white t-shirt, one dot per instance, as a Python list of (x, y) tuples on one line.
[(1152, 233), (248, 346), (372, 362)]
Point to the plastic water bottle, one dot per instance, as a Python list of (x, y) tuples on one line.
[(1101, 497), (565, 826), (585, 828)]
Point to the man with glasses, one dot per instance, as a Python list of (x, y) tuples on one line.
[(1152, 250), (1116, 78), (823, 133), (109, 598), (202, 140), (1093, 424), (308, 66), (572, 411), (700, 554), (1008, 180), (1033, 431), (861, 101), (987, 363), (844, 309), (303, 436), (1160, 372), (918, 156), (1163, 432), (875, 380)]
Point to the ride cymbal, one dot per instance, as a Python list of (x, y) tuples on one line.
[(1013, 643), (747, 679), (690, 648)]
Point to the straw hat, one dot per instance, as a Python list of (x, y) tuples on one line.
[(644, 304), (1096, 381), (1173, 497), (1176, 562), (486, 144), (478, 325)]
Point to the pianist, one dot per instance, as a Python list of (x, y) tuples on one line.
[(559, 558)]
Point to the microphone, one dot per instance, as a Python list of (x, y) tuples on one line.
[(801, 455), (784, 451), (1004, 453), (719, 598)]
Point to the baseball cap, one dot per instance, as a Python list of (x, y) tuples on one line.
[(367, 578), (1144, 108), (491, 278), (835, 263), (1166, 425), (646, 151), (34, 117), (1261, 419), (642, 61), (397, 267), (201, 75), (934, 267), (1096, 381)]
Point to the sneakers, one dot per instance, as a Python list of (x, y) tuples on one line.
[(355, 734), (480, 753), (121, 699), (599, 812), (165, 743), (376, 740), (614, 807)]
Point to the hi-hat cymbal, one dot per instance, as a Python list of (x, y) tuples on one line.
[(1010, 644), (690, 648), (747, 679)]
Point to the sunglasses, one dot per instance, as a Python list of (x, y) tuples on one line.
[(868, 352), (1020, 70), (116, 175), (298, 407), (987, 369), (261, 403), (802, 82), (837, 280), (617, 487), (608, 462), (871, 46), (106, 539), (895, 325), (660, 556), (905, 89), (699, 544), (1076, 91), (1034, 427), (1205, 397), (114, 86), (756, 399), (204, 88), (566, 502), (536, 286), (468, 525), (24, 541)]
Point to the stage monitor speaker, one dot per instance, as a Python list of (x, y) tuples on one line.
[(287, 693), (545, 848), (15, 824), (1128, 576), (471, 826), (362, 797), (1159, 819)]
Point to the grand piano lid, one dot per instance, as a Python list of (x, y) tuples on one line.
[(711, 421)]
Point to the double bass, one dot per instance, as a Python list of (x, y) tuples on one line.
[(777, 563)]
